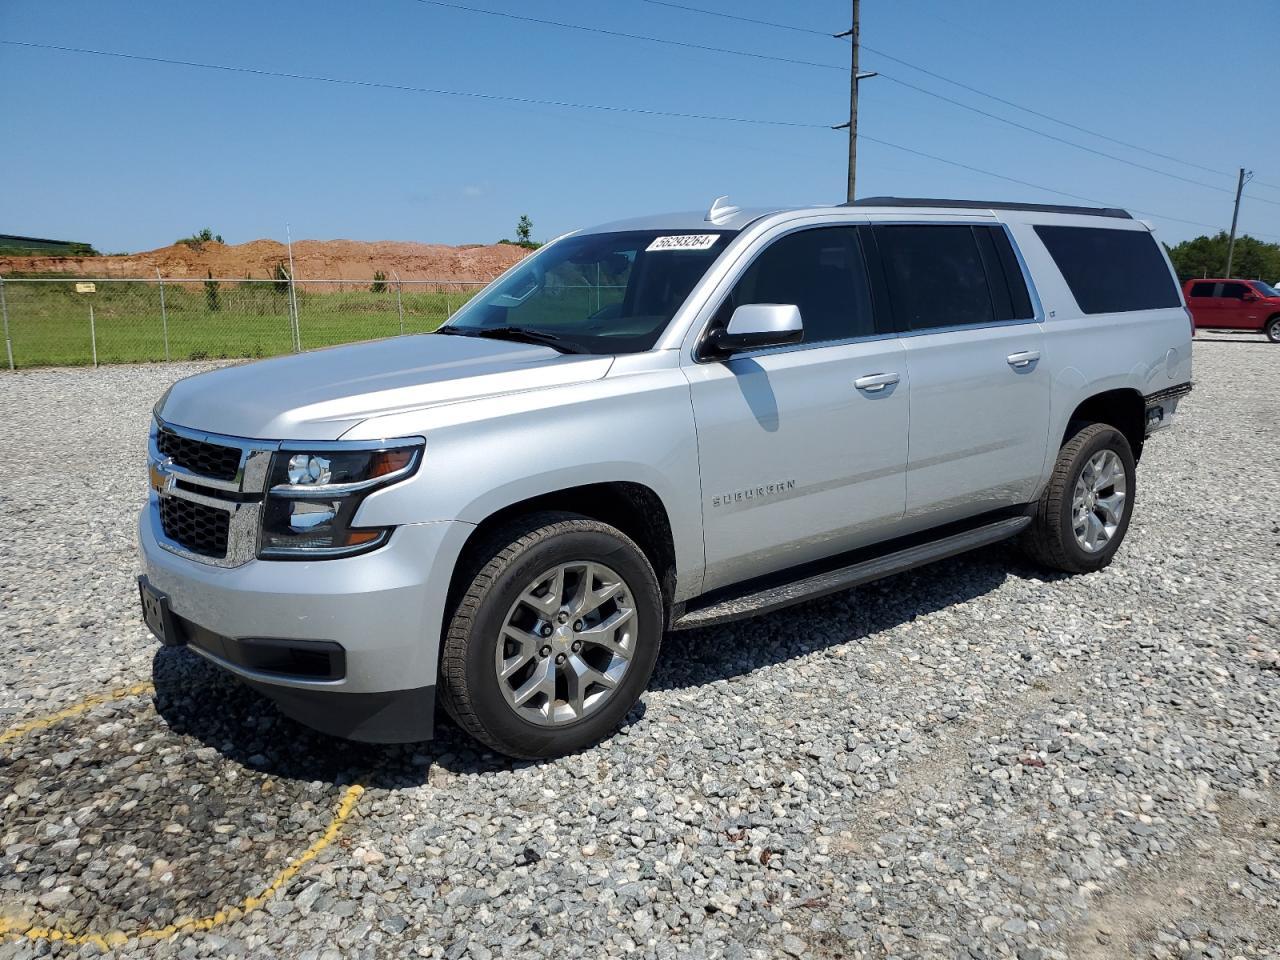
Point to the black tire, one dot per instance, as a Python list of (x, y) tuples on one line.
[(1272, 329), (499, 571), (1051, 540)]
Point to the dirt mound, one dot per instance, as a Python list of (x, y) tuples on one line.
[(313, 260)]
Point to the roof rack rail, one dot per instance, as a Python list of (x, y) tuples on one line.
[(989, 205)]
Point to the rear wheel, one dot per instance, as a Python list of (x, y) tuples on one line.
[(555, 637), (1272, 329), (1084, 511)]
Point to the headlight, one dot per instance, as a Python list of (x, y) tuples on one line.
[(313, 494)]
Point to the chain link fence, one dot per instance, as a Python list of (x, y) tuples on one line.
[(80, 320)]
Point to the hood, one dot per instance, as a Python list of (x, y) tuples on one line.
[(322, 394)]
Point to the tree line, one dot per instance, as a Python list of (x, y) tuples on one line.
[(1253, 259)]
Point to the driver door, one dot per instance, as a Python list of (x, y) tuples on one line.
[(1239, 306), (802, 449)]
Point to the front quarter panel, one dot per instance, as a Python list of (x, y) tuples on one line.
[(635, 425)]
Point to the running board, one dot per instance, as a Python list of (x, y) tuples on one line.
[(833, 581)]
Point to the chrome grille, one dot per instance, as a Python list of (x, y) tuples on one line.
[(200, 456), (207, 492), (195, 527)]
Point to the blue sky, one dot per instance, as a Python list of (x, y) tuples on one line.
[(130, 156)]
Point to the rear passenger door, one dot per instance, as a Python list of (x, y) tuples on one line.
[(979, 381)]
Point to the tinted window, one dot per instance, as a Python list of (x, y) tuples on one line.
[(997, 286), (1235, 291), (821, 272), (1111, 271), (1018, 295), (935, 275), (1202, 290), (1265, 289)]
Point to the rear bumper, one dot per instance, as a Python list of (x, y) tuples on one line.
[(1161, 406), (348, 646)]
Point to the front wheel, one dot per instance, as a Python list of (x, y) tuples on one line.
[(1084, 511), (554, 638), (1273, 329)]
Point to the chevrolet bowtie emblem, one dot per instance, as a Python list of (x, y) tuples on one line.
[(161, 478)]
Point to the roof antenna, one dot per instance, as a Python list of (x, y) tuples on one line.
[(721, 210)]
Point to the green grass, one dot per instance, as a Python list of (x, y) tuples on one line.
[(49, 322)]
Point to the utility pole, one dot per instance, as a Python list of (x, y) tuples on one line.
[(854, 40), (854, 35), (293, 294), (1245, 177)]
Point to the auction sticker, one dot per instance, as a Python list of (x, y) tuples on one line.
[(684, 241)]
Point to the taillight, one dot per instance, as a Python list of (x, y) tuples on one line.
[(1191, 320)]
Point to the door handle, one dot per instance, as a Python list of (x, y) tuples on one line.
[(875, 382), (1024, 358)]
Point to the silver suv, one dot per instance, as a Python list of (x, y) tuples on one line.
[(649, 426)]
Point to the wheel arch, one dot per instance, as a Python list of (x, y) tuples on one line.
[(634, 508), (1123, 408)]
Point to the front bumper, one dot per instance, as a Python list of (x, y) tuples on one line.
[(384, 609)]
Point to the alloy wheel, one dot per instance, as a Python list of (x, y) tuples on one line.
[(566, 643), (1099, 500)]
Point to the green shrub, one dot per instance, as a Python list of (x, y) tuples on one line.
[(198, 240), (212, 298)]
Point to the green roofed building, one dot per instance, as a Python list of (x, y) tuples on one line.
[(13, 246)]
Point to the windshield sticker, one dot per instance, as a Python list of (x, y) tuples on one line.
[(684, 241)]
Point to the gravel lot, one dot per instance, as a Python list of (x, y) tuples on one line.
[(969, 760)]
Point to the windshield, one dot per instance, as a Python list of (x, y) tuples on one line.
[(1266, 289), (596, 292)]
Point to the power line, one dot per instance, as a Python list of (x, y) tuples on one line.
[(958, 83), (1064, 140), (1065, 123), (734, 16), (1028, 183), (628, 36), (446, 4), (411, 89), (405, 88), (1038, 113)]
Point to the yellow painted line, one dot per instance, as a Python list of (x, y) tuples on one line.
[(115, 938), (84, 706)]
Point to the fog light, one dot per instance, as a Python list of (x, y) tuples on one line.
[(307, 468)]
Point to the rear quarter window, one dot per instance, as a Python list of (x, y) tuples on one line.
[(1111, 271)]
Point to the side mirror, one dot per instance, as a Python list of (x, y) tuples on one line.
[(1249, 297), (757, 325)]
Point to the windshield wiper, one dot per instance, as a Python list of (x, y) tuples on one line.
[(520, 335)]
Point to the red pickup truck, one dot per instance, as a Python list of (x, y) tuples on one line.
[(1221, 304)]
